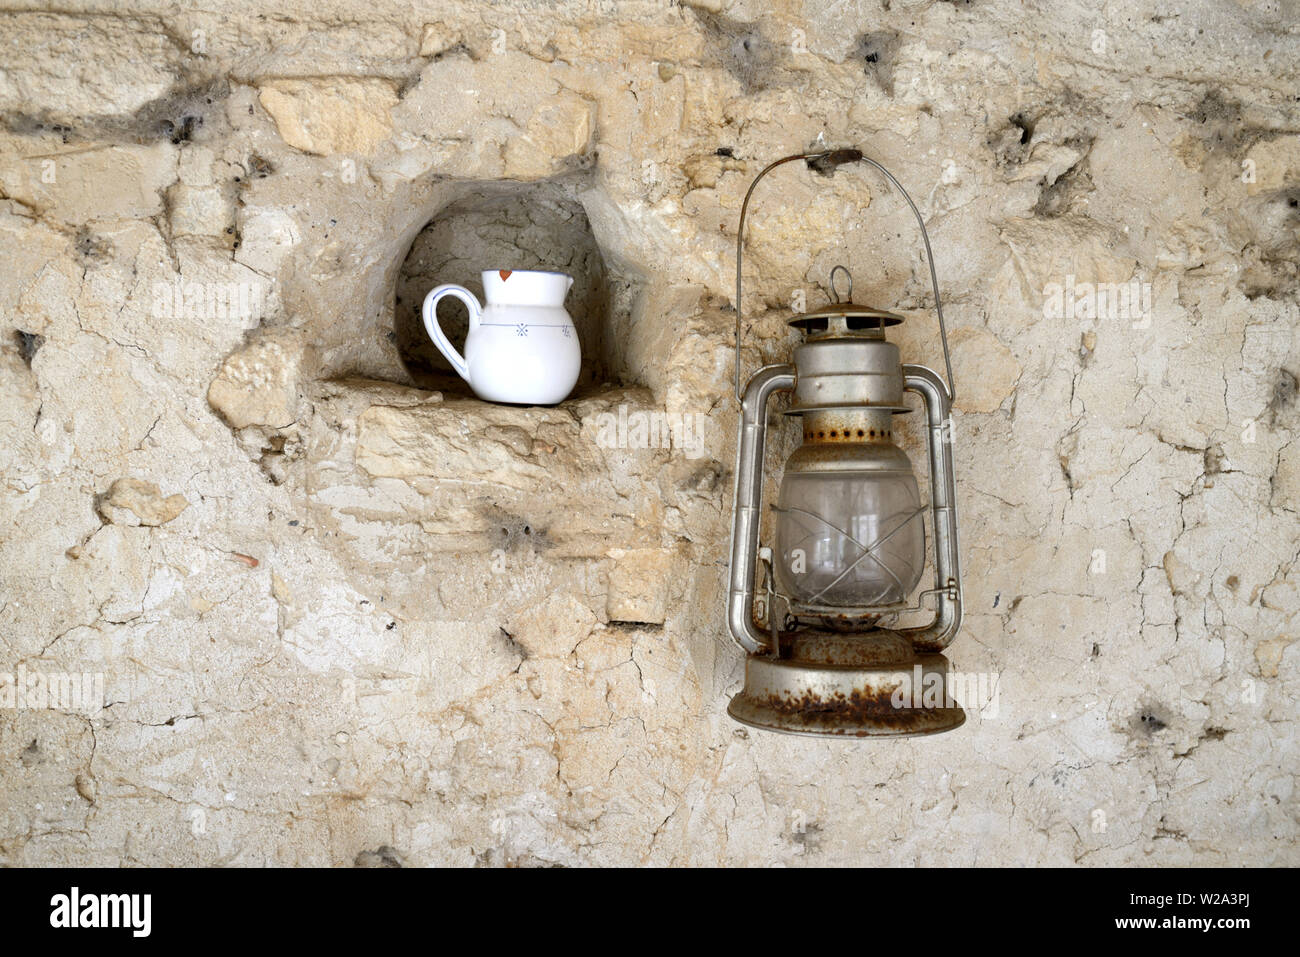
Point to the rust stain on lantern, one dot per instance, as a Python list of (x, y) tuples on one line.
[(847, 715)]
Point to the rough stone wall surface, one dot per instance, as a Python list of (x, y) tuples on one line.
[(342, 619)]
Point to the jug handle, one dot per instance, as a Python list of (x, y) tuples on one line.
[(434, 330)]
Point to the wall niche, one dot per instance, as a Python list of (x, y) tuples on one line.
[(503, 225)]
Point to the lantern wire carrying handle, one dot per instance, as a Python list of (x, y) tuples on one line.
[(826, 161)]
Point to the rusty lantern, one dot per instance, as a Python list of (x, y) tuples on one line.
[(849, 543)]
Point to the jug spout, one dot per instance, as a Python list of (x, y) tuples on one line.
[(521, 287)]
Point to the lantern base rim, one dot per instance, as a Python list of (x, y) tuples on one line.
[(902, 698)]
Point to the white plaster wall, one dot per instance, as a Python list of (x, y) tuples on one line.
[(344, 620)]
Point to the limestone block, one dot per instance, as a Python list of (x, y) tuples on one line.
[(327, 115), (639, 585), (557, 133), (198, 211), (195, 166), (1275, 164), (1183, 578), (1046, 253), (483, 469), (85, 186), (100, 66), (499, 116), (1268, 655), (484, 445), (268, 235), (552, 629), (130, 501), (985, 369), (258, 385), (438, 38)]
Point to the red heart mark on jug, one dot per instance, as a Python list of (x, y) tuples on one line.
[(504, 274)]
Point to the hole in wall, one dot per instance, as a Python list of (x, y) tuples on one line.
[(1025, 125), (29, 343), (505, 225), (878, 52)]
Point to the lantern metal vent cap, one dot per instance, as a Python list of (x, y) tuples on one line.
[(842, 317)]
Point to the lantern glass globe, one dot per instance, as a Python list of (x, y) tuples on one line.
[(849, 539)]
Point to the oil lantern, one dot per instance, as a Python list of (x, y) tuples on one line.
[(818, 611)]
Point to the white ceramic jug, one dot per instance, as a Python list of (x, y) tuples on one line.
[(521, 347)]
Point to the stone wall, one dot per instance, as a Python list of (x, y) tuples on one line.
[(346, 613)]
